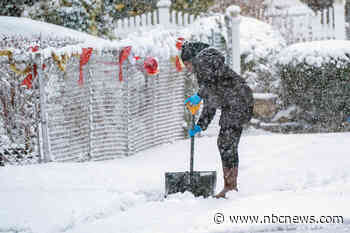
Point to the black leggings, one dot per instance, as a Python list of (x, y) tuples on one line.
[(228, 146)]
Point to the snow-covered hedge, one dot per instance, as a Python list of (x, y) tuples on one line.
[(316, 77)]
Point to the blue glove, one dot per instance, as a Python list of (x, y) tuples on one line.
[(194, 100), (348, 119), (196, 129)]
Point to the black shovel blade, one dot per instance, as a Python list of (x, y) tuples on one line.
[(203, 183)]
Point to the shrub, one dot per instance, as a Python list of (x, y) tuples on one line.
[(316, 77), (258, 49)]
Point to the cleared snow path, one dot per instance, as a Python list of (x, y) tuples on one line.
[(296, 175)]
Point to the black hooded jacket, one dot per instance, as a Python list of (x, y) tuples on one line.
[(221, 88)]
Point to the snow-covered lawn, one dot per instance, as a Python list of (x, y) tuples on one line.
[(280, 175)]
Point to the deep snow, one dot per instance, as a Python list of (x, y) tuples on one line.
[(279, 174)]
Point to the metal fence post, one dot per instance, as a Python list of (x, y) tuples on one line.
[(37, 116), (234, 13), (128, 116), (45, 152), (91, 120)]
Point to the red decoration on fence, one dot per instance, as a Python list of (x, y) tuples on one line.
[(35, 48), (124, 54), (28, 81), (178, 64), (179, 43), (84, 58), (150, 65)]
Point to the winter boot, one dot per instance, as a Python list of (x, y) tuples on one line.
[(230, 181)]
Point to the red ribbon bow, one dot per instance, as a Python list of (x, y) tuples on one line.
[(84, 59), (179, 42), (124, 54), (28, 81), (150, 65)]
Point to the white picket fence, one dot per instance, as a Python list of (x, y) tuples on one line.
[(308, 25), (175, 19), (304, 25), (162, 15)]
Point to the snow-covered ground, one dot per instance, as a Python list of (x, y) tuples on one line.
[(280, 175)]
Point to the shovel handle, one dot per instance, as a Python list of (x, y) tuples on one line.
[(193, 109), (192, 146)]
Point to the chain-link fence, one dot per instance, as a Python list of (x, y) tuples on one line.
[(107, 118), (104, 118)]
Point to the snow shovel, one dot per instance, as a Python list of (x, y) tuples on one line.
[(200, 183)]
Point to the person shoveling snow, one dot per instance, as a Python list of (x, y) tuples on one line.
[(220, 88)]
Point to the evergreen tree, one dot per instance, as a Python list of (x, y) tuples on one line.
[(317, 5), (14, 7), (192, 6), (95, 17), (82, 15)]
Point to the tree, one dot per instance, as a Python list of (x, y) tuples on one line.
[(192, 6), (95, 17), (82, 15), (14, 7), (248, 8), (317, 5), (347, 18)]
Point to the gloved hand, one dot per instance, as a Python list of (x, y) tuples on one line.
[(348, 119), (193, 100), (196, 129)]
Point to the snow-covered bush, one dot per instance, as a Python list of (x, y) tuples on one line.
[(14, 7), (259, 45), (82, 15), (316, 77)]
